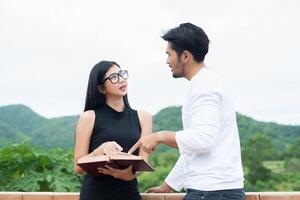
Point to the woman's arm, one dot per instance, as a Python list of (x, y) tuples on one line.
[(146, 126), (84, 131)]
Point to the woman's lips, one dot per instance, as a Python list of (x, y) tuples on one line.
[(123, 87)]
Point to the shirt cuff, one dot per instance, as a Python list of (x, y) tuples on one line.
[(174, 183)]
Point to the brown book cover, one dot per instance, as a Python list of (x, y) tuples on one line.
[(118, 160)]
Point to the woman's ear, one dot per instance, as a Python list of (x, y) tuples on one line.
[(101, 89)]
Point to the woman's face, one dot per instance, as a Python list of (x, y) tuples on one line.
[(115, 83)]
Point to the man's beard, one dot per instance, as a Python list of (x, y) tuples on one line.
[(179, 74)]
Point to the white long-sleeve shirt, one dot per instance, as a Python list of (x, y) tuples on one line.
[(209, 144)]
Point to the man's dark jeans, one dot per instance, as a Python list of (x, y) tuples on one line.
[(234, 194)]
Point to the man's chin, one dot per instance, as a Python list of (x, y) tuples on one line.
[(177, 75)]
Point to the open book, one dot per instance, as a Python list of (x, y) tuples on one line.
[(119, 160)]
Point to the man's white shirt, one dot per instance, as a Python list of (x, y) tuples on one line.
[(209, 144)]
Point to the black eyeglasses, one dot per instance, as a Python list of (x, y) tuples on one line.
[(115, 77)]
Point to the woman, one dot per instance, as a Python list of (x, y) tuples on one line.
[(106, 126)]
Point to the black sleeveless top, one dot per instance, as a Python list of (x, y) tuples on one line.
[(123, 128)]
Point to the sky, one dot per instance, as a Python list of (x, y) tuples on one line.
[(48, 47)]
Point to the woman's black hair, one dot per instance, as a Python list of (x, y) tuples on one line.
[(94, 98)]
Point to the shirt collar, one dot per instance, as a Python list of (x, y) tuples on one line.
[(199, 73)]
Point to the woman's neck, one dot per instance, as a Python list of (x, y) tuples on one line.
[(115, 103)]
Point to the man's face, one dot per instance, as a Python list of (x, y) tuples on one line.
[(174, 62)]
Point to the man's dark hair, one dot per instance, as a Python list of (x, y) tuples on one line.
[(188, 37)]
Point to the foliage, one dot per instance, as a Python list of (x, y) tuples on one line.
[(256, 150), (163, 163), (270, 152), (292, 159), (23, 168), (168, 119)]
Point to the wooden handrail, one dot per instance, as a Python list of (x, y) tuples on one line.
[(145, 196)]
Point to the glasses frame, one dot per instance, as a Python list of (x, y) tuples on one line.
[(118, 75)]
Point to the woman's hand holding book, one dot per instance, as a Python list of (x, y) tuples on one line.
[(124, 174), (107, 148)]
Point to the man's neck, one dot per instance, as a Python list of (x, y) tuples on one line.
[(193, 69)]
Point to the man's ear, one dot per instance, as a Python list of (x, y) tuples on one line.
[(101, 89), (185, 56)]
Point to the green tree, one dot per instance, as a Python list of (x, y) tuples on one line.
[(292, 159), (24, 168), (257, 149), (163, 164)]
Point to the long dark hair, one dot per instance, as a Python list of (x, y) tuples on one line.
[(94, 98)]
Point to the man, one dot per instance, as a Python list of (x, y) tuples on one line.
[(209, 166)]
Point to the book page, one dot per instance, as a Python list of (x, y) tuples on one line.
[(88, 159), (124, 156)]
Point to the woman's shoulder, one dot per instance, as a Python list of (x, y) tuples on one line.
[(87, 115), (144, 113), (86, 121)]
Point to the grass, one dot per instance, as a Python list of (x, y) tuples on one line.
[(276, 166)]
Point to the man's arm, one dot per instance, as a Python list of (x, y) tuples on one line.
[(205, 126), (148, 143), (164, 188), (167, 137), (174, 180), (205, 123)]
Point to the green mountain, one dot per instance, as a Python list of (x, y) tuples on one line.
[(281, 135), (19, 123), (9, 134), (21, 118)]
